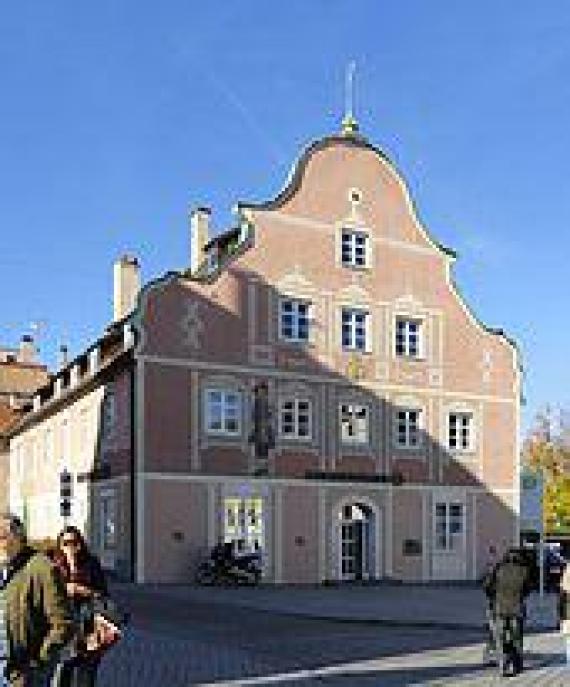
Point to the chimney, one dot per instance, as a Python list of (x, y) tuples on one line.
[(63, 356), (199, 234), (126, 286), (27, 353)]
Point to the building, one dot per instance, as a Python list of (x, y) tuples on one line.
[(20, 376), (20, 373), (313, 385)]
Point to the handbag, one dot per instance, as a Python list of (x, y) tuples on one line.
[(104, 627)]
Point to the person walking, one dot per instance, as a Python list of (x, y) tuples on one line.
[(85, 582), (565, 611), (509, 584), (38, 619), (490, 645)]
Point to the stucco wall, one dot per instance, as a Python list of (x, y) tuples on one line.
[(300, 535), (175, 522)]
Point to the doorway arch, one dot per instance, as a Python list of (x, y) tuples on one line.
[(355, 538)]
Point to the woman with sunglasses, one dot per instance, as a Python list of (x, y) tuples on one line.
[(84, 581)]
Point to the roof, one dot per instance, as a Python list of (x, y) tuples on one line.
[(22, 377), (224, 238), (8, 417)]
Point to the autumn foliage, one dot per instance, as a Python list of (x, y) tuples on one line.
[(547, 448)]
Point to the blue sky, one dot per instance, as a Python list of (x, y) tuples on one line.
[(115, 117)]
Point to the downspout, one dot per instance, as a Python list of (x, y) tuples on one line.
[(134, 523)]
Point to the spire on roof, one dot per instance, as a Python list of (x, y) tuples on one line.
[(349, 123)]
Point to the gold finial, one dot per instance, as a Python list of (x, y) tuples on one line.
[(349, 123)]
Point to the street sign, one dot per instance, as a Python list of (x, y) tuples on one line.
[(65, 493), (532, 490)]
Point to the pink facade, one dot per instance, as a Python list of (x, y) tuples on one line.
[(422, 474)]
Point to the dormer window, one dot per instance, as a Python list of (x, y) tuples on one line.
[(94, 361), (354, 248), (128, 336), (58, 386)]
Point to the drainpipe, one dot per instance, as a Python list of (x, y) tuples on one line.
[(134, 523)]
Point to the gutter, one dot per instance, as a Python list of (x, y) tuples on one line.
[(133, 519)]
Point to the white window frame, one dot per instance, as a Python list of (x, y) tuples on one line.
[(361, 437), (352, 324), (353, 233), (460, 448), (406, 445), (83, 430), (238, 524), (109, 414), (48, 446), (406, 354), (108, 514), (296, 302), (225, 394), (65, 441), (295, 401), (454, 541)]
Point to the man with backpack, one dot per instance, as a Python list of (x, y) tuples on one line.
[(508, 585)]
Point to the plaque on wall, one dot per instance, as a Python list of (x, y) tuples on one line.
[(412, 547)]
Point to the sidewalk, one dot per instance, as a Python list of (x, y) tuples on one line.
[(442, 606)]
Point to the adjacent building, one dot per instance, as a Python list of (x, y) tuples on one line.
[(20, 375), (313, 385)]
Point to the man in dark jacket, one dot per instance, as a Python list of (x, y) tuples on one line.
[(37, 615), (508, 585)]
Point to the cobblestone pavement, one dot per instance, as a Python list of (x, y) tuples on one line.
[(197, 644)]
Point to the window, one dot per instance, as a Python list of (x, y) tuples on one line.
[(354, 248), (108, 414), (354, 329), (460, 432), (408, 337), (223, 411), (34, 455), (294, 320), (48, 447), (83, 429), (449, 526), (295, 418), (108, 521), (244, 523), (353, 423), (408, 428)]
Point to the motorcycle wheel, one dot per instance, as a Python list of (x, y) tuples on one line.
[(204, 578)]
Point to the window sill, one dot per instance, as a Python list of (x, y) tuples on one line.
[(470, 454), (223, 435), (355, 446), (410, 358), (283, 440), (356, 268), (409, 449), (295, 343)]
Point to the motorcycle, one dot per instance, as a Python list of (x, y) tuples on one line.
[(230, 570)]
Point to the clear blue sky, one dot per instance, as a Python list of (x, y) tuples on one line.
[(116, 116)]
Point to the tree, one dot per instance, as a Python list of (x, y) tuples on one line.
[(547, 448)]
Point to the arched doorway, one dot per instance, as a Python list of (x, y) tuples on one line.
[(356, 537)]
